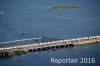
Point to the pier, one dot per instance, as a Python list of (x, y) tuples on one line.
[(43, 46)]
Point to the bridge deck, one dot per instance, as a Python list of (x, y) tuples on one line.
[(77, 41)]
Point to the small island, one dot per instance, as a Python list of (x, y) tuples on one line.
[(64, 7)]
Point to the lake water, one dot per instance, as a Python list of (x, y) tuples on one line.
[(35, 17)]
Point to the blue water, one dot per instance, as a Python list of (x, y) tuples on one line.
[(35, 17)]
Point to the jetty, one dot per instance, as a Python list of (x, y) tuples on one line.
[(45, 46)]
